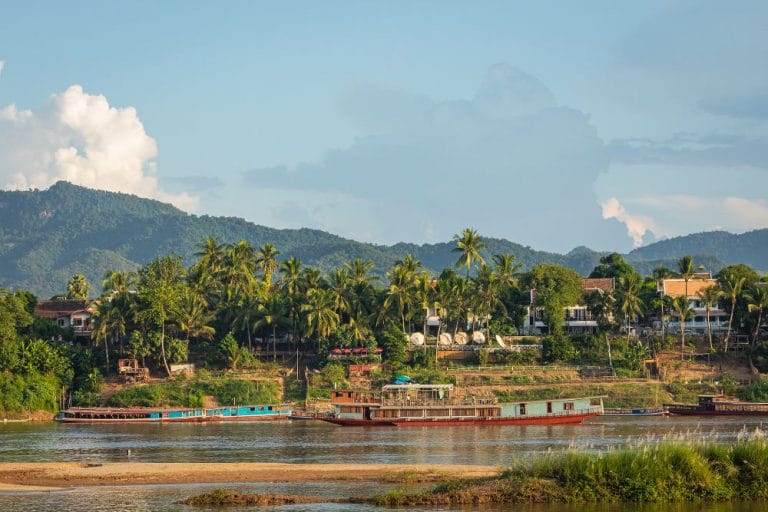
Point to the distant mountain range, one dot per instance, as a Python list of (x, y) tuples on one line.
[(46, 236)]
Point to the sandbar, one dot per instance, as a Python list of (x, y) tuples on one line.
[(21, 476)]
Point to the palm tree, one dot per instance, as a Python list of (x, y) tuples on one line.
[(687, 270), (507, 269), (630, 304), (290, 285), (119, 282), (758, 301), (399, 296), (266, 260), (193, 316), (732, 286), (682, 307), (272, 313), (661, 273), (709, 297), (211, 255), (469, 244), (77, 287), (339, 284), (101, 328), (321, 319)]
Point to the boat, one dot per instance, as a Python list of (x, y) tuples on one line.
[(173, 415), (637, 411), (719, 405), (409, 404)]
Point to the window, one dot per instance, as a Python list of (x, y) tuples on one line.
[(522, 410), (549, 407), (568, 406)]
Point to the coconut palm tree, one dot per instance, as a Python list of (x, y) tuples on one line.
[(193, 316), (687, 270), (77, 287), (321, 319), (732, 287), (272, 313), (290, 285), (266, 260), (399, 293), (507, 269), (469, 244), (211, 255), (630, 304), (682, 307), (758, 302), (709, 297), (661, 273)]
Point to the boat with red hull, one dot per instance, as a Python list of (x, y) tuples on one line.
[(431, 405), (719, 405)]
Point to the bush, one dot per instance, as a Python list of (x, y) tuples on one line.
[(558, 349)]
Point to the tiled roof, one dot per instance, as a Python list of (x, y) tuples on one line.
[(605, 284), (676, 287), (59, 308)]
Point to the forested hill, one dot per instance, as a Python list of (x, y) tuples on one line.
[(48, 236)]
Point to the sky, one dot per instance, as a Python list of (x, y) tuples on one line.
[(552, 124)]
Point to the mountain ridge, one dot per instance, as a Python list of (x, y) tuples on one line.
[(46, 236)]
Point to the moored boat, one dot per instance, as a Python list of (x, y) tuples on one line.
[(719, 405), (437, 405), (173, 415), (636, 411)]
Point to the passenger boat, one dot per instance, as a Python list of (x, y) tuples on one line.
[(718, 405), (639, 411), (175, 415), (437, 405)]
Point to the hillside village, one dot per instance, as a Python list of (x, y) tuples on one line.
[(240, 323)]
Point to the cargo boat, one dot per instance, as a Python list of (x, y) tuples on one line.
[(173, 415), (718, 405), (437, 405)]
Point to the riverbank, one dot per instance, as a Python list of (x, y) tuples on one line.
[(60, 475)]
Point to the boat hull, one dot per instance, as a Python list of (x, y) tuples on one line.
[(450, 422), (195, 419), (683, 412)]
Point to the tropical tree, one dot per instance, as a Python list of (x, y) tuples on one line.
[(709, 296), (469, 244), (630, 304), (556, 288), (507, 269), (290, 285), (193, 316), (321, 318), (687, 270), (266, 261), (272, 313), (732, 287), (758, 302), (77, 287), (682, 307)]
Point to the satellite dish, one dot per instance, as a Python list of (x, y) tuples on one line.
[(500, 341), (478, 337), (444, 339), (460, 338), (417, 339)]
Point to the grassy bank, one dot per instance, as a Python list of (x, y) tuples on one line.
[(667, 472)]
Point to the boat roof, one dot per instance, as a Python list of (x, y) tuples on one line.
[(416, 386)]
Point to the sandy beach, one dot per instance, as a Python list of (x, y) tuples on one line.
[(46, 476)]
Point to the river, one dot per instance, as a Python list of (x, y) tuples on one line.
[(312, 441)]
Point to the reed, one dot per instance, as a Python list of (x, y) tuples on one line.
[(666, 470)]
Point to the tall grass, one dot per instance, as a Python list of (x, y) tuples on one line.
[(667, 471)]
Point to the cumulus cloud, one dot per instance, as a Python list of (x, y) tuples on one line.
[(638, 226), (2, 65), (509, 162), (80, 138)]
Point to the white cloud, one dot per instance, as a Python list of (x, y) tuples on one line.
[(680, 214), (80, 138), (2, 65), (637, 225)]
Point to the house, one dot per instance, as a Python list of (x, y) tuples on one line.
[(676, 287), (578, 317), (67, 313)]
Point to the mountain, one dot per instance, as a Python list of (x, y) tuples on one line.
[(46, 236)]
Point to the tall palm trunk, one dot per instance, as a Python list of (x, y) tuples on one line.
[(162, 349), (274, 342), (682, 339), (106, 351), (709, 328), (757, 327), (730, 323)]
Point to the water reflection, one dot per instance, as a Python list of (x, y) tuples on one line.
[(309, 441)]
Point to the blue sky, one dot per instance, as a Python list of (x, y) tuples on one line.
[(553, 124)]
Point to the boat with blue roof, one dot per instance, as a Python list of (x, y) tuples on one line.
[(174, 415)]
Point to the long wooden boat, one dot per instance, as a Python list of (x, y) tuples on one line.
[(173, 415), (637, 411), (718, 405), (435, 405)]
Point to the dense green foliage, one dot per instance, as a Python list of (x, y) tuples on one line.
[(183, 394), (48, 236)]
